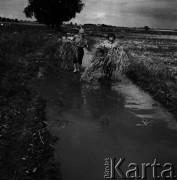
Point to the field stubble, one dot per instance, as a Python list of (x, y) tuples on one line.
[(154, 67)]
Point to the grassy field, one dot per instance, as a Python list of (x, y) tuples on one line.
[(26, 146)]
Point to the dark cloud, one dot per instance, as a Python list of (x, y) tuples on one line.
[(158, 9), (154, 13)]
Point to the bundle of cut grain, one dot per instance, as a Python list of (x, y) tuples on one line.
[(107, 64), (66, 52)]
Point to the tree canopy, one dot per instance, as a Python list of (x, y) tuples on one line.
[(53, 12)]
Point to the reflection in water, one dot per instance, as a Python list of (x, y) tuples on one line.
[(106, 120), (103, 102), (142, 105)]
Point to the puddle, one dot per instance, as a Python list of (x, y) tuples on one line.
[(97, 121)]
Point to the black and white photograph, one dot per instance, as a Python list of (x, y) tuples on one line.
[(88, 89)]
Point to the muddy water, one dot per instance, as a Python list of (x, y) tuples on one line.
[(101, 120)]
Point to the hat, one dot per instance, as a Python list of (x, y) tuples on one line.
[(81, 31)]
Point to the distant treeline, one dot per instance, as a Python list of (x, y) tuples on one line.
[(103, 30), (109, 28), (4, 19)]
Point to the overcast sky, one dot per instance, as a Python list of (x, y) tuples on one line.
[(133, 13)]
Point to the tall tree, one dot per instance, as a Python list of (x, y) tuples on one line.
[(53, 12)]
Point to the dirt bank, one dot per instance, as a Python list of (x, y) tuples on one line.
[(26, 146)]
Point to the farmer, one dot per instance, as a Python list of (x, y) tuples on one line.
[(80, 43), (110, 42)]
